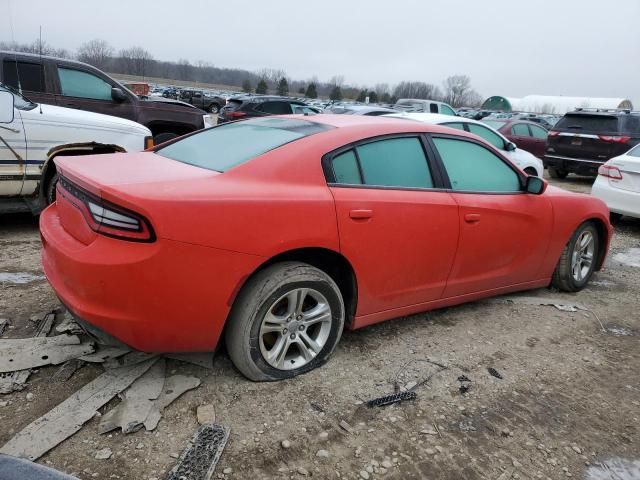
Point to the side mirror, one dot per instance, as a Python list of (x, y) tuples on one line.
[(6, 107), (118, 95), (510, 146), (536, 185)]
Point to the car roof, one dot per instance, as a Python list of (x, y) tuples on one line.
[(35, 56)]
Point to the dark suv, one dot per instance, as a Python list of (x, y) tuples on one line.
[(247, 106), (67, 83), (583, 140)]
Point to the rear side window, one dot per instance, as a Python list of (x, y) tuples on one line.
[(456, 125), (538, 132), (24, 75), (473, 168), (634, 152), (588, 123), (394, 162), (489, 135), (275, 108), (228, 145), (494, 124), (76, 83), (520, 129), (631, 125), (433, 108)]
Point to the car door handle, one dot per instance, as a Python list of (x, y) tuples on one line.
[(361, 214), (472, 217)]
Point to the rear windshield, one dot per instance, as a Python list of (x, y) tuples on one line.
[(233, 104), (634, 152), (224, 147), (588, 123)]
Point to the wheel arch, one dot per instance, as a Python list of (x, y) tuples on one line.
[(603, 244), (330, 262)]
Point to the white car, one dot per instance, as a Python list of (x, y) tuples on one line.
[(618, 184), (524, 160), (32, 135)]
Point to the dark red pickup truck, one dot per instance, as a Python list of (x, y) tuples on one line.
[(72, 84)]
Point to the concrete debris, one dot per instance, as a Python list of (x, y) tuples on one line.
[(3, 324), (105, 353), (14, 381), (67, 418), (560, 303), (198, 461), (70, 327), (66, 371), (19, 278), (174, 386), (614, 468), (137, 402), (204, 360), (22, 354), (104, 454), (206, 414), (630, 257)]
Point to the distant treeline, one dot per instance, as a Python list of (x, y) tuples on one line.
[(456, 90)]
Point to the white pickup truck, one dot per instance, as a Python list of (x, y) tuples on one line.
[(31, 135)]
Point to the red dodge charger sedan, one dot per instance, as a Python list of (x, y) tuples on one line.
[(279, 232)]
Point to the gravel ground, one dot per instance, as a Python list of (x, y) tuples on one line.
[(569, 398)]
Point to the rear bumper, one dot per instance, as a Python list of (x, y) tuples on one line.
[(624, 202), (573, 165), (165, 296)]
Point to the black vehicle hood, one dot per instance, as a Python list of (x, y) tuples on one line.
[(170, 101)]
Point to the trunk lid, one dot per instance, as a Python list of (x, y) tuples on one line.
[(629, 166)]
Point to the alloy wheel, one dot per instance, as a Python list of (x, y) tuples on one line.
[(582, 256)]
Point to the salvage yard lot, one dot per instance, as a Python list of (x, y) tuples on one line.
[(569, 398)]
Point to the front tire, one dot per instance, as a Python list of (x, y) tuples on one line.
[(578, 260), (557, 173), (287, 320), (213, 108), (50, 189)]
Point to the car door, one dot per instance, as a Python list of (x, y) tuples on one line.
[(13, 152), (539, 140), (84, 90), (522, 136), (397, 228), (504, 232), (29, 78)]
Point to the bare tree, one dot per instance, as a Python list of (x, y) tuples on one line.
[(421, 90), (37, 46), (458, 91), (136, 60), (96, 52)]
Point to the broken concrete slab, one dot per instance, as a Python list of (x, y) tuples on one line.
[(204, 360), (565, 304), (67, 418), (198, 461), (630, 257), (174, 386), (19, 278), (25, 353), (14, 381), (102, 354), (137, 402)]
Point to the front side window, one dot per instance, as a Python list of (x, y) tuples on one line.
[(520, 129), (24, 76), (538, 132), (490, 136), (394, 162), (473, 168), (445, 110), (76, 83), (228, 145)]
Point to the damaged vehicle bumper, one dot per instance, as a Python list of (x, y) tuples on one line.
[(161, 297)]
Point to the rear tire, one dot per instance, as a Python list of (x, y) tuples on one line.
[(163, 137), (50, 189), (288, 314), (615, 217), (214, 108), (557, 172), (578, 260)]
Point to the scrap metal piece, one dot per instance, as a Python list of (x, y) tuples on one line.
[(24, 353), (137, 402), (465, 383), (66, 371), (494, 373), (204, 360), (105, 353), (198, 461), (174, 386), (67, 418), (14, 381), (390, 399), (127, 360), (3, 324), (70, 327)]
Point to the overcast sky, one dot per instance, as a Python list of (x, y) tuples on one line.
[(507, 47)]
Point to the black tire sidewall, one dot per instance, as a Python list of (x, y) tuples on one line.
[(50, 191), (337, 322), (596, 240)]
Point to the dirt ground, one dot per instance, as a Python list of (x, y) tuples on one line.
[(569, 398)]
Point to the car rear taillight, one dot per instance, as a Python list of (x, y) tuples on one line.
[(614, 138), (610, 171), (236, 114), (105, 217), (553, 134)]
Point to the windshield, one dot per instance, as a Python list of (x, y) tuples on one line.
[(226, 146), (20, 102)]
